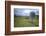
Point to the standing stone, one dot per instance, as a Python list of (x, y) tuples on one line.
[(32, 16)]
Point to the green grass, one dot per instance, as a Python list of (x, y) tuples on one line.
[(25, 21)]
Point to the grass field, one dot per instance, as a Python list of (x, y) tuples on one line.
[(25, 21)]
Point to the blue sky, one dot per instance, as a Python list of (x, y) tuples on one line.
[(24, 11)]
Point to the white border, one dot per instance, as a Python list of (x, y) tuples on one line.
[(25, 28)]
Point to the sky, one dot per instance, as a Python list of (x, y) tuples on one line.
[(25, 11)]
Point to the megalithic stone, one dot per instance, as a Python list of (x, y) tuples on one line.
[(32, 16)]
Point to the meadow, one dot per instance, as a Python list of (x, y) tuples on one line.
[(25, 21)]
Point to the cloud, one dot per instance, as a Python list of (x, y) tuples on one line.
[(24, 12)]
